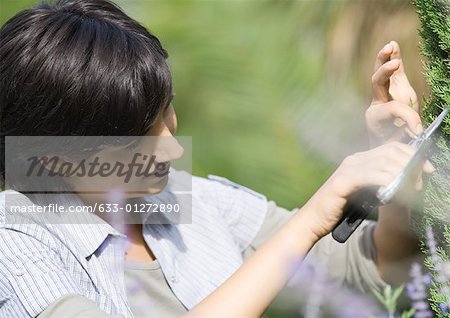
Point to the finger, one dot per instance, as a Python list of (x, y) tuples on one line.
[(412, 119), (381, 80), (376, 167), (428, 167), (398, 113), (383, 56), (389, 159), (398, 155), (399, 82), (419, 183), (417, 176), (395, 157), (389, 166), (360, 180), (396, 54)]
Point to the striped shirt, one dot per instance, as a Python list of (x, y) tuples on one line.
[(40, 263)]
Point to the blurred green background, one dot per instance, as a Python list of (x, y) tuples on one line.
[(273, 92)]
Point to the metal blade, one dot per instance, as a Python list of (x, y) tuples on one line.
[(435, 124)]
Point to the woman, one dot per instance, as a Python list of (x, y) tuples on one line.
[(84, 68)]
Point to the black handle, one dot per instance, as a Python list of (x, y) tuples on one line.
[(358, 207)]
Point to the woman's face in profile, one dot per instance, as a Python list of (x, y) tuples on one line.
[(139, 168)]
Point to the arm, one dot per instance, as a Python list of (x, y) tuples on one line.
[(396, 244), (253, 286), (393, 116), (353, 263), (251, 289)]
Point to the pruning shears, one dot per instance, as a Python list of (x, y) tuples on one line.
[(360, 204)]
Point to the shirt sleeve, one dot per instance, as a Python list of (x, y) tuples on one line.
[(74, 306), (275, 218), (31, 276), (243, 210), (352, 263)]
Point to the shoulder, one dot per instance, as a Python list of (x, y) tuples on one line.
[(32, 272), (24, 242), (8, 199), (240, 208), (217, 201), (222, 182), (214, 192), (229, 195), (20, 226)]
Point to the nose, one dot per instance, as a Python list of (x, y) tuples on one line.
[(168, 148)]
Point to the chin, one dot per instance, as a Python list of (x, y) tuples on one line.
[(159, 186), (152, 187)]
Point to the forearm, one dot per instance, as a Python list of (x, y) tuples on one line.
[(396, 243), (253, 287)]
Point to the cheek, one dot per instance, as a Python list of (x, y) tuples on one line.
[(156, 129), (171, 122)]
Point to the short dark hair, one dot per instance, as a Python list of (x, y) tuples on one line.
[(80, 68)]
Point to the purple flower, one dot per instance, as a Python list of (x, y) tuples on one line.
[(417, 291), (441, 270)]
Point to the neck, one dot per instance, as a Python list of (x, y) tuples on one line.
[(137, 249)]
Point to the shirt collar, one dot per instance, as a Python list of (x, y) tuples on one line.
[(85, 232), (178, 192), (89, 237)]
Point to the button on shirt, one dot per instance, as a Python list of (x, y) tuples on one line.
[(40, 263)]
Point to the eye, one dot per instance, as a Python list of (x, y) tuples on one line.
[(133, 145)]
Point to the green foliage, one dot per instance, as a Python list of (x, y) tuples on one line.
[(434, 16), (389, 298), (242, 71), (408, 313)]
